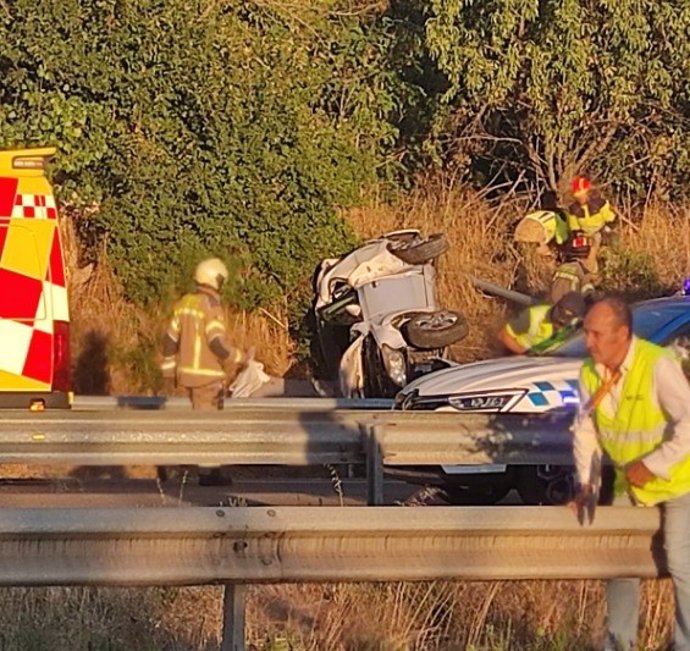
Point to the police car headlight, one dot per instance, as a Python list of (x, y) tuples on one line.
[(396, 365), (496, 401)]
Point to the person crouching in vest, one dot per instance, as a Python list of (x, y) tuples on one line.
[(196, 354), (635, 408), (541, 326)]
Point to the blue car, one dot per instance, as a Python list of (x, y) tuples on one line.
[(526, 384)]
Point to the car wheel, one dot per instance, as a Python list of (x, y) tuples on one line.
[(405, 237), (420, 252), (549, 485), (435, 329)]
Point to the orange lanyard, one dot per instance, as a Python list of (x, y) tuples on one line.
[(602, 392)]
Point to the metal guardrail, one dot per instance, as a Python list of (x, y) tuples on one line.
[(238, 546), (106, 403), (296, 436), (197, 545), (240, 436)]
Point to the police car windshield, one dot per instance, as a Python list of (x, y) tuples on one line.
[(649, 322)]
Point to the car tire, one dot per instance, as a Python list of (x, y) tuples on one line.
[(421, 252), (403, 237), (435, 329), (546, 485)]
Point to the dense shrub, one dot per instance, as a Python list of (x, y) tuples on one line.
[(190, 127)]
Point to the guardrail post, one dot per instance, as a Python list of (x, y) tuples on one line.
[(233, 617), (374, 466)]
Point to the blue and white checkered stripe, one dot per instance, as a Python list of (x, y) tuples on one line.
[(549, 395)]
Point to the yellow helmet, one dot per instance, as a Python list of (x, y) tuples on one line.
[(212, 273)]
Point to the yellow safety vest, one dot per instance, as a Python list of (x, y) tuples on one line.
[(539, 329), (591, 222), (638, 426)]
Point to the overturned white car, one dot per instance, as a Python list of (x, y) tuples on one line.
[(377, 320)]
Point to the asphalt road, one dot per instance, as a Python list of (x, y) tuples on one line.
[(185, 491)]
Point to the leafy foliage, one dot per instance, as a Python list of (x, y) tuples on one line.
[(189, 128), (197, 128), (559, 86)]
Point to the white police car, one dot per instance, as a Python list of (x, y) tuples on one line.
[(526, 385)]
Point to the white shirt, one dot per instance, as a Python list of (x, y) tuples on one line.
[(673, 395)]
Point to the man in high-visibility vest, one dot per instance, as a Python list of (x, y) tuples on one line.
[(635, 408), (541, 326), (196, 353)]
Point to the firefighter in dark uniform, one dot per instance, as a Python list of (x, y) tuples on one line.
[(196, 353)]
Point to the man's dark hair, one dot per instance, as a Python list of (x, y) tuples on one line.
[(620, 308)]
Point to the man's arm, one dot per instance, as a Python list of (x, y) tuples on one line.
[(171, 345), (510, 342), (572, 219), (587, 454), (216, 337), (673, 394), (586, 449), (607, 213), (510, 333)]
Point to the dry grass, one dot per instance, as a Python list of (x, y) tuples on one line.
[(115, 343), (429, 616), (439, 616), (110, 619)]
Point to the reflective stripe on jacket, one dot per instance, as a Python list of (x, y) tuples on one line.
[(638, 425), (570, 277), (537, 329), (197, 321)]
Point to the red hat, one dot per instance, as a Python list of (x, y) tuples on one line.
[(580, 185)]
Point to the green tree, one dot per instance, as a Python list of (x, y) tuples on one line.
[(189, 127), (560, 86)]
